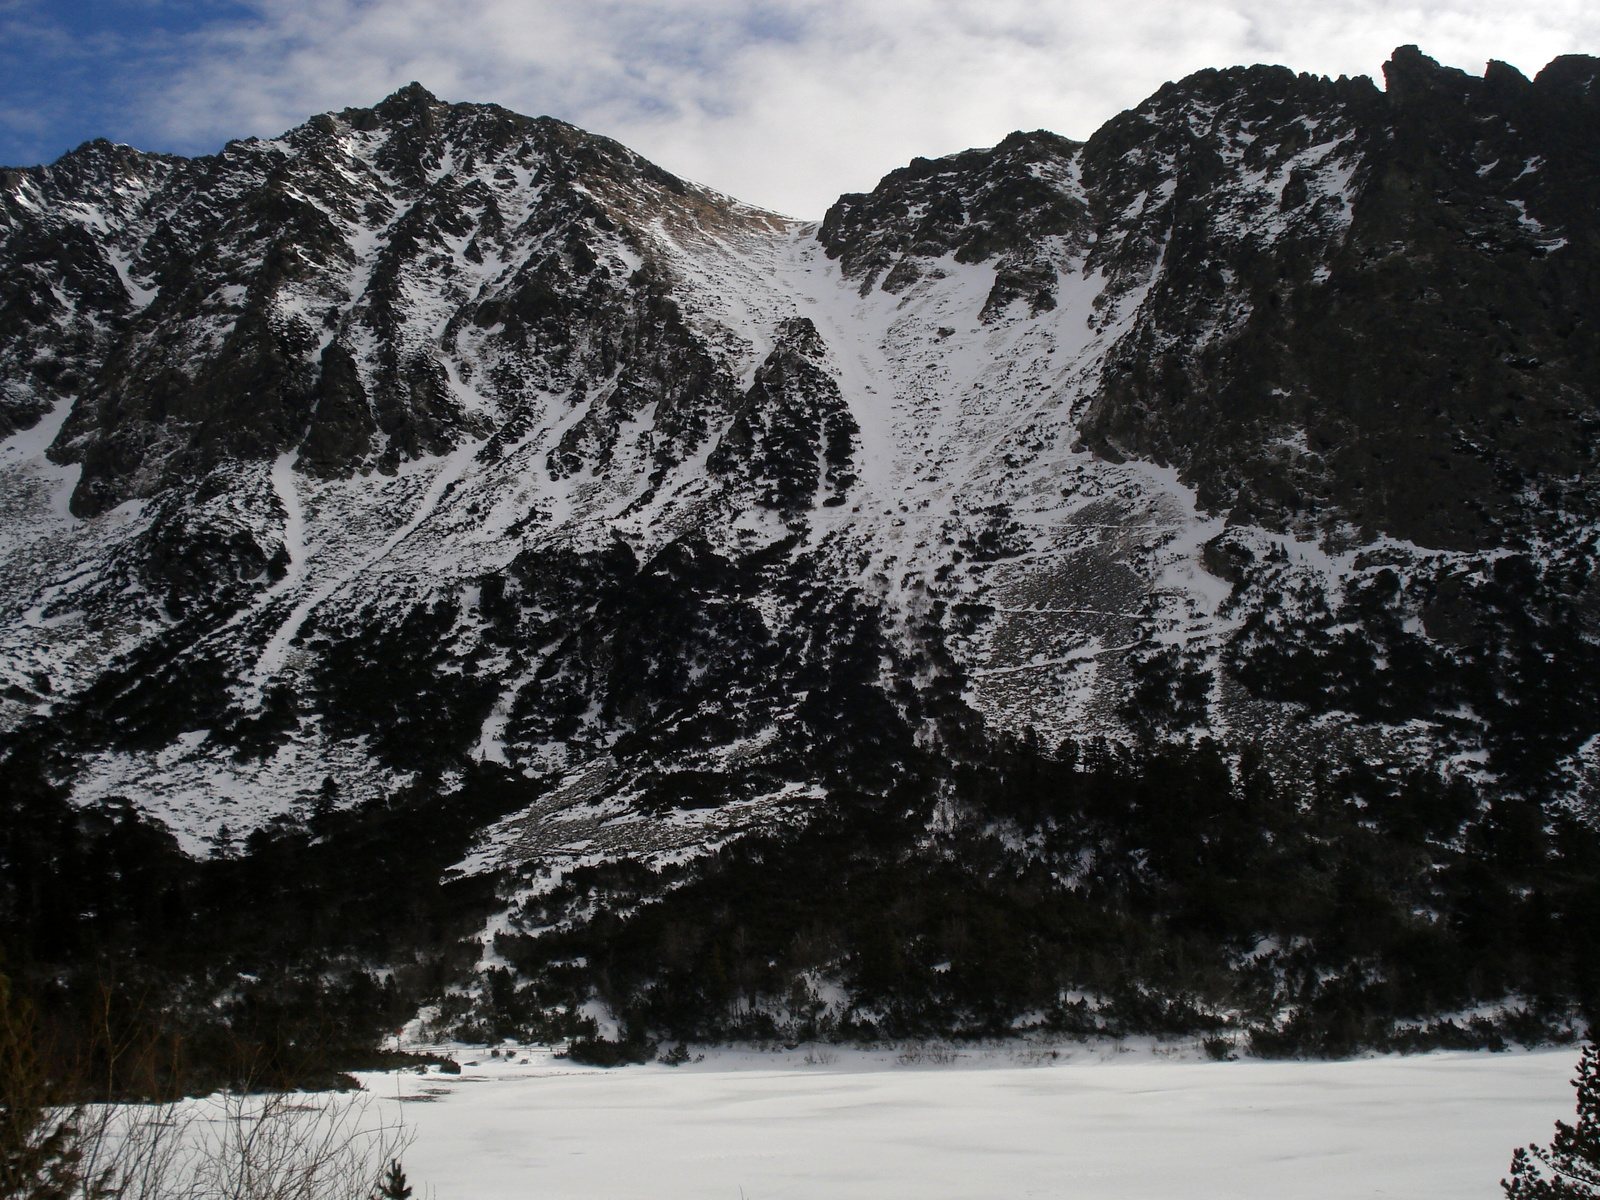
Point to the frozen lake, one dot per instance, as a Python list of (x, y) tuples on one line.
[(992, 1124)]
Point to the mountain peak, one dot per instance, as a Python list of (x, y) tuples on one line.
[(1576, 74), (411, 98), (1410, 73)]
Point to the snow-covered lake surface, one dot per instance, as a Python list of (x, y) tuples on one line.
[(998, 1123)]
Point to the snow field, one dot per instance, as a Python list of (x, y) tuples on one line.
[(842, 1125)]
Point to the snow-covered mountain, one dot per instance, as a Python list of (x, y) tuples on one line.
[(431, 443)]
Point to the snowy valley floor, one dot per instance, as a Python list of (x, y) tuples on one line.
[(839, 1124)]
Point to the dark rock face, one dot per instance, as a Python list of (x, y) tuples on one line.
[(1364, 307), (793, 430), (61, 289), (974, 206), (265, 299), (1419, 336)]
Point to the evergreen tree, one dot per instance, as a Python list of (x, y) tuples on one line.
[(325, 804), (393, 1186), (1569, 1167)]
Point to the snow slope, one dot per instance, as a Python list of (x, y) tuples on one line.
[(960, 416)]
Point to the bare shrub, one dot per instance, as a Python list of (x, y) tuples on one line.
[(917, 1053), (134, 1151), (278, 1146), (242, 1145), (42, 1141)]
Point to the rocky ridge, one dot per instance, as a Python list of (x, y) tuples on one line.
[(430, 445)]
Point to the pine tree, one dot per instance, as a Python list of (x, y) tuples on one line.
[(393, 1186), (325, 804), (1569, 1167)]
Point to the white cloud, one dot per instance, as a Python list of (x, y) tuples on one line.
[(789, 102)]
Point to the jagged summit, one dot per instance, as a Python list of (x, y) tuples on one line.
[(402, 102), (272, 272), (973, 205)]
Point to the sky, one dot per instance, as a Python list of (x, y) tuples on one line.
[(782, 103)]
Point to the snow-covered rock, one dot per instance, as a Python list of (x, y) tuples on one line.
[(432, 438)]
